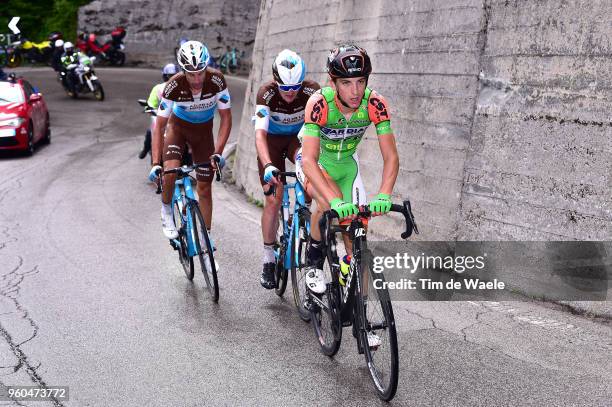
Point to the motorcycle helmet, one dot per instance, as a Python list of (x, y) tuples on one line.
[(288, 68), (68, 48), (59, 44), (168, 71), (193, 56)]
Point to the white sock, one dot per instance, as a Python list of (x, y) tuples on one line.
[(268, 254), (166, 209)]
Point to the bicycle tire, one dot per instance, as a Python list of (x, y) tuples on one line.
[(184, 259), (327, 322), (209, 268), (281, 274), (385, 382), (298, 284)]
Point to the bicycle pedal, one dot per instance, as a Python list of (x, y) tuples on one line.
[(310, 306)]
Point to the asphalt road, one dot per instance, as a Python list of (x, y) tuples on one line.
[(92, 296)]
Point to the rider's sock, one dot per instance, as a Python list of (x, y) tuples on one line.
[(315, 252), (166, 208), (268, 253)]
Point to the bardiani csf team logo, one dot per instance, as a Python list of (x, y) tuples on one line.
[(336, 134)]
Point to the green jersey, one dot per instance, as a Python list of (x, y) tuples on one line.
[(155, 95), (339, 136)]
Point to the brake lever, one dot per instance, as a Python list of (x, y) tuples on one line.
[(410, 222)]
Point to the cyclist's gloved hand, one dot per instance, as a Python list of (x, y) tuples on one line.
[(154, 173), (218, 159), (343, 209), (269, 171), (381, 204)]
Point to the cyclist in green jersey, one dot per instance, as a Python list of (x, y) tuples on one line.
[(336, 119), (154, 98)]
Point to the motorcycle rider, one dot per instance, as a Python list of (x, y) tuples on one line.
[(70, 60), (56, 58), (153, 101)]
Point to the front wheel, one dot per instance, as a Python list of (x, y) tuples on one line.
[(98, 91), (298, 265), (180, 222), (376, 318), (204, 251), (326, 307), (281, 274), (14, 60)]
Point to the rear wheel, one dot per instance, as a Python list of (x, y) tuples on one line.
[(377, 319), (298, 264), (47, 138), (205, 252), (180, 223), (30, 147)]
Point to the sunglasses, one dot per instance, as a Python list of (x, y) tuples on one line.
[(287, 88)]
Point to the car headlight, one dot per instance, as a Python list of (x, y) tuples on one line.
[(14, 122)]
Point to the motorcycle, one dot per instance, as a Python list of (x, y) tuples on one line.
[(111, 51), (81, 78), (22, 48)]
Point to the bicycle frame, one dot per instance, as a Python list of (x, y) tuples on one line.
[(290, 235), (185, 200)]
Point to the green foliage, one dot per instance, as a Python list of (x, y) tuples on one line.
[(40, 17)]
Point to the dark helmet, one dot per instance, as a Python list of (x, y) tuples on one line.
[(348, 61)]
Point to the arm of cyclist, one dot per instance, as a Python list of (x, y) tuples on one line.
[(225, 112), (261, 120), (378, 111)]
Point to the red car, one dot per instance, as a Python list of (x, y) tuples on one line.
[(24, 118)]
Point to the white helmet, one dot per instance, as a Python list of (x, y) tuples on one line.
[(59, 43), (68, 45), (288, 68), (193, 56), (168, 71)]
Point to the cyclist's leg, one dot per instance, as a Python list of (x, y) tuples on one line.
[(173, 146), (277, 147), (200, 139), (354, 191)]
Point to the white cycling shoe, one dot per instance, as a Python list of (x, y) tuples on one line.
[(168, 225), (315, 280), (373, 340)]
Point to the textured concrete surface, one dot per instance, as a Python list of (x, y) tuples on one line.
[(155, 26), (500, 108), (93, 297)]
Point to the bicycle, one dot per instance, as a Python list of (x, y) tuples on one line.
[(290, 253), (358, 303), (189, 221), (230, 61)]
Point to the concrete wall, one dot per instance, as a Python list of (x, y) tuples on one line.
[(155, 26), (500, 108)]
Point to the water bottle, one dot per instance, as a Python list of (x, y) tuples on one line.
[(345, 267)]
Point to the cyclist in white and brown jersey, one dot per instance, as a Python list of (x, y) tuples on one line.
[(279, 115), (188, 105)]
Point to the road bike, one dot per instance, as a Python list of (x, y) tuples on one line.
[(193, 240), (290, 252), (359, 302), (230, 61)]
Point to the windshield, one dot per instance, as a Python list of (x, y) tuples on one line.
[(10, 93)]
